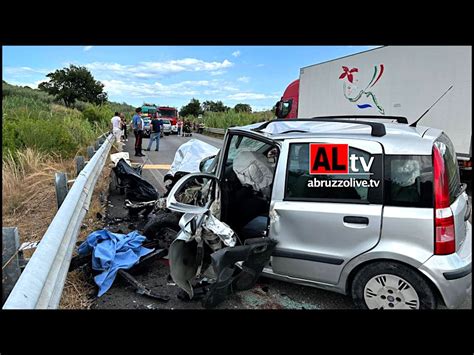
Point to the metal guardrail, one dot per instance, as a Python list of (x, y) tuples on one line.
[(42, 281), (215, 130)]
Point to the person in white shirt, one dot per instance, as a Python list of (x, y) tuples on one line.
[(116, 126)]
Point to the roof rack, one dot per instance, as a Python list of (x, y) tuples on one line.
[(377, 129), (400, 119)]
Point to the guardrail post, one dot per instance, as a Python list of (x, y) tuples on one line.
[(60, 183), (80, 163), (10, 260), (42, 281), (90, 151)]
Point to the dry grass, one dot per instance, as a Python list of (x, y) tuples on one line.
[(29, 203), (78, 287), (77, 291), (28, 194)]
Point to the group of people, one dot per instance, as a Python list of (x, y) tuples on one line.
[(184, 127), (119, 130), (156, 126)]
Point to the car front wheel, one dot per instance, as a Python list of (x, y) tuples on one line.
[(390, 285)]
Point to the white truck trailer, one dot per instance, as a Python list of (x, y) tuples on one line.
[(392, 81)]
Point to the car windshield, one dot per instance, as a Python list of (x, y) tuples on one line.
[(166, 121), (167, 113)]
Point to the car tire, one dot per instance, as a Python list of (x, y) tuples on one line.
[(391, 285), (167, 134), (161, 223)]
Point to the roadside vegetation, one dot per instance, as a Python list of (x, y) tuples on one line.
[(36, 120), (41, 136), (233, 118), (217, 115)]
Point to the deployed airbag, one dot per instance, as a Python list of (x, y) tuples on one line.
[(253, 169)]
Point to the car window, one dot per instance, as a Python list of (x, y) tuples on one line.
[(408, 180), (448, 152), (241, 143), (303, 186)]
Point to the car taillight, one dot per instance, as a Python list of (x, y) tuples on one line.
[(444, 219)]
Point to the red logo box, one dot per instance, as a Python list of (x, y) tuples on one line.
[(328, 158)]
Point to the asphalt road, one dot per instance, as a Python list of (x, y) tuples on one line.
[(168, 146), (268, 294)]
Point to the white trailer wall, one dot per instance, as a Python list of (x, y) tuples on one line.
[(414, 77)]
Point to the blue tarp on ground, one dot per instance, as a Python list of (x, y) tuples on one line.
[(111, 252)]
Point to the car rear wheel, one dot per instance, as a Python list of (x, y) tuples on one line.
[(390, 285)]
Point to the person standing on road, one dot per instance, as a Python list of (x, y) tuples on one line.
[(180, 126), (116, 128), (124, 126), (156, 126), (137, 125)]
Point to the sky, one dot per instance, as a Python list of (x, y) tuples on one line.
[(173, 75)]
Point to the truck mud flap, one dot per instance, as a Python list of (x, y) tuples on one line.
[(255, 253)]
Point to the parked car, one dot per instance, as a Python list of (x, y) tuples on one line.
[(166, 127), (146, 127), (174, 129), (371, 209)]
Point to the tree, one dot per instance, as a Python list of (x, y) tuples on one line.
[(191, 109), (212, 106), (74, 83), (243, 108)]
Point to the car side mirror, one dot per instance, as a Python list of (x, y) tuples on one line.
[(181, 186), (283, 108)]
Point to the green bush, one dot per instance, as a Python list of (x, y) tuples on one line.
[(232, 118), (32, 119), (97, 114)]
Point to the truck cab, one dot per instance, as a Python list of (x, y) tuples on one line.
[(287, 107), (169, 113)]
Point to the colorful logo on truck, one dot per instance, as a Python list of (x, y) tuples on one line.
[(354, 94)]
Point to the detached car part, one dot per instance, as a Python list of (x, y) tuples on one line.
[(137, 188)]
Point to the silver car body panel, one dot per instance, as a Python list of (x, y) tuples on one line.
[(444, 272), (324, 243)]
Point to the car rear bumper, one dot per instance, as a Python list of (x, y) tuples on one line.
[(452, 274)]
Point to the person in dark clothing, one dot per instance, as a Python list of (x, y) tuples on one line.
[(137, 125), (124, 126), (156, 126)]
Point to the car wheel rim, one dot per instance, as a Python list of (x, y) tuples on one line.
[(387, 291)]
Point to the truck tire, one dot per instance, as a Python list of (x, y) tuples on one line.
[(391, 285), (158, 228)]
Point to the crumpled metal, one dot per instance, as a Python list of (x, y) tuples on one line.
[(212, 225), (190, 154)]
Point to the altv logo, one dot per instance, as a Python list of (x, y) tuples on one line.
[(334, 159)]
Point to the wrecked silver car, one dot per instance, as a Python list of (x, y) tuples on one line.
[(222, 247)]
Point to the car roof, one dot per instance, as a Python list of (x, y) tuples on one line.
[(399, 138)]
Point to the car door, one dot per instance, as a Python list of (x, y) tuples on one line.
[(320, 228)]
